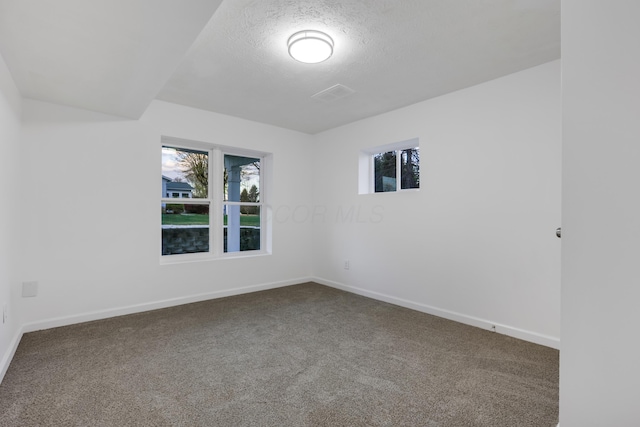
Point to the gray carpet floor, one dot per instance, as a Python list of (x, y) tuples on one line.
[(304, 355)]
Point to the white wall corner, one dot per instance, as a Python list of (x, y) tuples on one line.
[(11, 351)]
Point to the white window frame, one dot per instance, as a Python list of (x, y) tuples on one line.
[(366, 172), (215, 201)]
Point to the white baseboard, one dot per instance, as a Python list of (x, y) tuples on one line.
[(138, 308), (8, 355), (511, 331)]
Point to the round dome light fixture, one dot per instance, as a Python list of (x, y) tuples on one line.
[(310, 46)]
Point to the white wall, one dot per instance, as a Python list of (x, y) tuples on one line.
[(480, 249), (94, 247), (11, 178), (477, 243), (600, 352)]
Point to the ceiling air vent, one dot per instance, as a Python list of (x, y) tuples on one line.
[(333, 93)]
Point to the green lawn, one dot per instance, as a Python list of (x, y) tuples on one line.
[(200, 219), (247, 220)]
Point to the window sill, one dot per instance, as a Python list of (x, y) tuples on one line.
[(408, 190), (191, 258)]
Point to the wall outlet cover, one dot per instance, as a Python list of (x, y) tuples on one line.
[(29, 289)]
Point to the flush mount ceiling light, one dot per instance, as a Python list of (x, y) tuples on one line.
[(310, 46)]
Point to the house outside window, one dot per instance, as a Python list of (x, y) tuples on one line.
[(224, 213), (176, 189)]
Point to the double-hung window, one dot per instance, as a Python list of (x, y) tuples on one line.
[(212, 201)]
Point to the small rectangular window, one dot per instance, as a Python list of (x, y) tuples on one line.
[(390, 168)]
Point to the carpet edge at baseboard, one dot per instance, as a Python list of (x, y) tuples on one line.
[(155, 305), (130, 309), (534, 337), (530, 336)]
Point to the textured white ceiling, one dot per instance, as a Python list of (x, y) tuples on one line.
[(116, 55), (392, 53)]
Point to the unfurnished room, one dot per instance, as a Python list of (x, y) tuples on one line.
[(319, 213)]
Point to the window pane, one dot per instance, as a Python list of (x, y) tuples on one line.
[(384, 169), (185, 173), (241, 228), (410, 168), (185, 228), (241, 179)]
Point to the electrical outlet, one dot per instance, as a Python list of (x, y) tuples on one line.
[(29, 289), (346, 264)]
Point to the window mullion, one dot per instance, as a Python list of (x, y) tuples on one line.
[(372, 174), (242, 203), (216, 231), (185, 200), (398, 170)]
